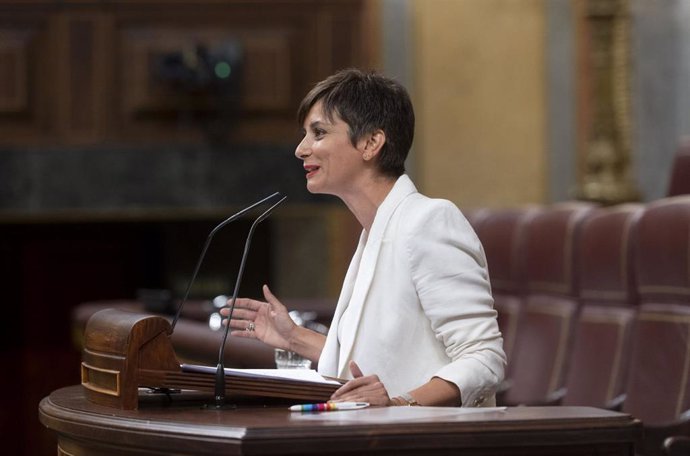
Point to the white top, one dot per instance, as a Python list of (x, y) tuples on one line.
[(418, 302)]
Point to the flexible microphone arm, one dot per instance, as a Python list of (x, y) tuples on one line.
[(220, 368), (203, 252)]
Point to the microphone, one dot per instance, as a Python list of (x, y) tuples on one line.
[(219, 394), (208, 242)]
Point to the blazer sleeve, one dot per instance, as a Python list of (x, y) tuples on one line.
[(450, 275)]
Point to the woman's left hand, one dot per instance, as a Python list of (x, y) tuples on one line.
[(362, 388)]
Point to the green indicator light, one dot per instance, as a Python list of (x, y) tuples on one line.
[(222, 70)]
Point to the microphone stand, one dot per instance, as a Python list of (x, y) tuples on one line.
[(232, 218), (219, 394)]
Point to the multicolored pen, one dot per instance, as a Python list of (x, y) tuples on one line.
[(328, 406)]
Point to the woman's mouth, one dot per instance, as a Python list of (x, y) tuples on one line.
[(311, 170)]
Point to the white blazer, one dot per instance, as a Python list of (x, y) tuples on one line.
[(419, 300)]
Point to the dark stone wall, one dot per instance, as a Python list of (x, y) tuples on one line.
[(140, 177)]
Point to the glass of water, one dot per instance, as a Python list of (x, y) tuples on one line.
[(286, 359)]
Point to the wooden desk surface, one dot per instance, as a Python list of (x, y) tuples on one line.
[(183, 427)]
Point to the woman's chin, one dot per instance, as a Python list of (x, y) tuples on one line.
[(318, 190), (313, 188)]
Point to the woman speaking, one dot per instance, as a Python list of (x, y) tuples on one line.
[(415, 323)]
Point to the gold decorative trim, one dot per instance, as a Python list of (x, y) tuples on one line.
[(607, 175)]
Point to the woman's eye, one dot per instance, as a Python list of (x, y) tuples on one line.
[(319, 133)]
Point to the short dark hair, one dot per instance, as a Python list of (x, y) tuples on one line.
[(368, 101)]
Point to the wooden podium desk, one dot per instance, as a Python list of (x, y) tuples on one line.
[(183, 427)]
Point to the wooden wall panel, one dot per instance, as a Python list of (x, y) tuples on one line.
[(84, 77), (267, 66), (23, 85), (14, 70), (268, 71), (339, 41), (82, 72)]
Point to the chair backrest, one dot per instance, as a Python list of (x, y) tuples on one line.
[(476, 216), (662, 263), (543, 335), (680, 171), (601, 343), (501, 232), (658, 388), (606, 257)]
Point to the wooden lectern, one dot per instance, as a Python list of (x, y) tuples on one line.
[(124, 351)]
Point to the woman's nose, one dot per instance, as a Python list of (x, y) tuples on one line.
[(302, 149)]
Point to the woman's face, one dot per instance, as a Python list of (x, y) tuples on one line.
[(333, 165)]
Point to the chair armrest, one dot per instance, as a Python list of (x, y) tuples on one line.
[(616, 403), (556, 397)]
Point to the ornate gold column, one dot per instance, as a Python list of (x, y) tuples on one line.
[(605, 103)]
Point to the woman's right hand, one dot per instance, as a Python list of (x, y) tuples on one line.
[(267, 321)]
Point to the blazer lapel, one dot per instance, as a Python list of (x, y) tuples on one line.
[(367, 266), (328, 362)]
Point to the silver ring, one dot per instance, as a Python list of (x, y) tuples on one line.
[(251, 327)]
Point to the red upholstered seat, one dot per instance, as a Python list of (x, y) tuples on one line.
[(658, 387), (501, 231), (599, 358), (546, 322)]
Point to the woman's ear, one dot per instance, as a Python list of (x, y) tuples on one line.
[(373, 145)]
